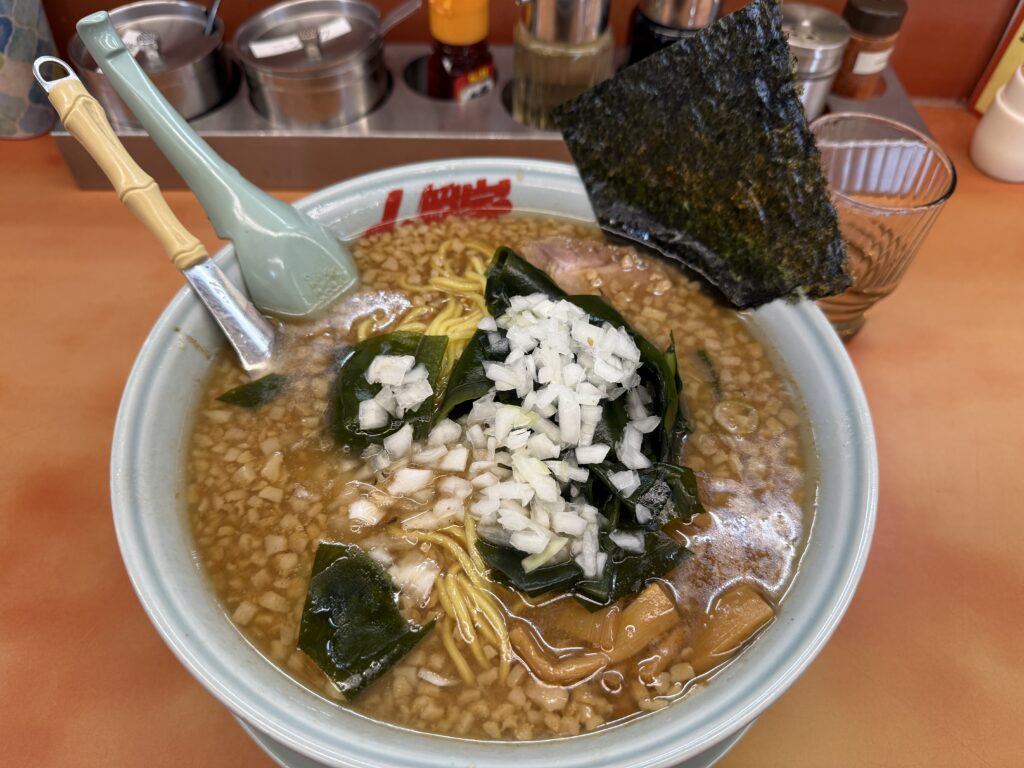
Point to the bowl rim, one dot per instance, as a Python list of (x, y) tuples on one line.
[(661, 748)]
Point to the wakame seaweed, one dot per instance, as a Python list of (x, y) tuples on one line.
[(703, 152), (351, 626), (351, 386), (253, 394), (467, 381), (625, 573), (668, 491)]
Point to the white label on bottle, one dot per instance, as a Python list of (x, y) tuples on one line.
[(336, 28), (870, 63), (275, 46)]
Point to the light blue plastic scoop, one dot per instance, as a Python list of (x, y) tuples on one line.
[(293, 266)]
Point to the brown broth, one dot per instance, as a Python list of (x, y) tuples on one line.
[(265, 486)]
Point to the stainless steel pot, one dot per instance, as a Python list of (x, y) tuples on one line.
[(167, 38), (316, 63)]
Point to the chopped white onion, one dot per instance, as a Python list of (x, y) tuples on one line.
[(592, 454), (429, 456), (399, 444), (389, 369), (408, 480), (629, 541), (445, 432), (372, 415), (365, 512), (455, 460), (626, 481)]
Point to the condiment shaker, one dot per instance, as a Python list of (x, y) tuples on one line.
[(875, 25), (997, 147), (817, 39)]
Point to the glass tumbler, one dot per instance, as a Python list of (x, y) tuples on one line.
[(888, 182)]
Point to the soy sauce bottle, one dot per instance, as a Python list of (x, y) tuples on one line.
[(460, 67)]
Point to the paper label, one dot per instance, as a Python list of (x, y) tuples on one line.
[(473, 85), (276, 46), (870, 63), (333, 29)]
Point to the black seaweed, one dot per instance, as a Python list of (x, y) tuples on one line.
[(255, 393), (351, 626), (702, 151)]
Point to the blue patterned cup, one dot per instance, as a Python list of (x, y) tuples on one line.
[(24, 35)]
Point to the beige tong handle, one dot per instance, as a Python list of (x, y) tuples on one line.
[(84, 118)]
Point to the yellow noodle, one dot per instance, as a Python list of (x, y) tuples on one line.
[(490, 611), (472, 595), (414, 314), (458, 612), (449, 544), (457, 658), (484, 248), (456, 284), (469, 526), (446, 604), (363, 328), (412, 327), (461, 609)]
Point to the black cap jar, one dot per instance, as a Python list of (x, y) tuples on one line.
[(875, 25)]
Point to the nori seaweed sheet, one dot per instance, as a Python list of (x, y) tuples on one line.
[(702, 151)]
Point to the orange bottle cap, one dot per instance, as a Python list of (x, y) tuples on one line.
[(458, 22)]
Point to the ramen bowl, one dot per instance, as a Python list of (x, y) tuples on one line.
[(148, 477)]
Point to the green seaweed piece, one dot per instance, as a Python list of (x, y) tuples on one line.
[(467, 382), (351, 626), (255, 393), (626, 573), (510, 275), (351, 386), (506, 566), (702, 151), (668, 491)]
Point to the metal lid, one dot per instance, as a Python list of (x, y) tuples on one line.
[(681, 14), (875, 17), (309, 36), (817, 37), (162, 35), (566, 21)]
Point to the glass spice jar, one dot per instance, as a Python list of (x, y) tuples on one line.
[(875, 25)]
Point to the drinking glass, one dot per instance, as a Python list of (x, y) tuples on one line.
[(888, 182)]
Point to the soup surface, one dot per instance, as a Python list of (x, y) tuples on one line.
[(267, 484)]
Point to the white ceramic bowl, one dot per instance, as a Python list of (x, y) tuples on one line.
[(148, 474)]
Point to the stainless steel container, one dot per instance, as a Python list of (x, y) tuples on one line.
[(681, 14), (168, 39), (316, 63), (817, 39), (565, 21)]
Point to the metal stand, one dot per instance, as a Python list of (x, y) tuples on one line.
[(406, 128)]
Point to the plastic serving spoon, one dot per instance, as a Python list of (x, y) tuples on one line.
[(247, 330), (293, 267)]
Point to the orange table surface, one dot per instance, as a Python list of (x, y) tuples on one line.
[(924, 670)]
